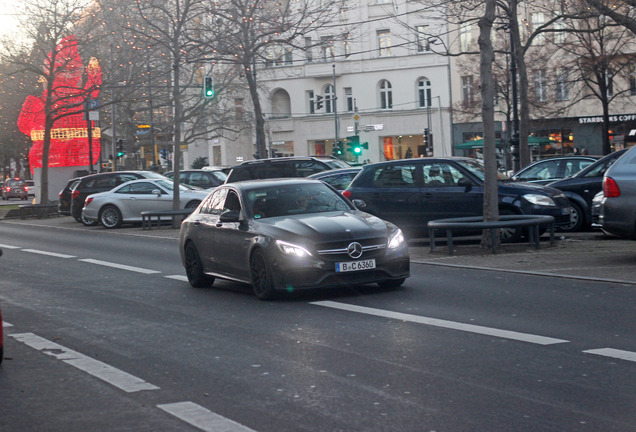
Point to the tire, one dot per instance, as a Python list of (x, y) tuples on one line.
[(192, 204), (392, 283), (510, 235), (194, 268), (577, 220), (110, 217), (262, 280), (88, 222)]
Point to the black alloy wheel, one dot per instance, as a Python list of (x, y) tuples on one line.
[(194, 268), (262, 280), (509, 235), (110, 217)]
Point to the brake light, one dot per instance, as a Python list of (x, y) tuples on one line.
[(88, 201), (346, 194), (26, 188), (610, 188), (75, 194)]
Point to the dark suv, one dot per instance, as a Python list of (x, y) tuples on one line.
[(101, 183), (14, 188), (411, 192), (298, 166)]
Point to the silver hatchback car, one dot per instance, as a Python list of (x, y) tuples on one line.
[(618, 208)]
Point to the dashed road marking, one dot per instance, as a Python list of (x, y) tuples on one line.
[(6, 324), (177, 277), (615, 353), (119, 266), (203, 418), (489, 331), (53, 254), (6, 246), (98, 369)]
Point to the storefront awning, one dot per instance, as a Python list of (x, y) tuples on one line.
[(479, 143)]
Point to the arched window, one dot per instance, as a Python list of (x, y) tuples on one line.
[(386, 95), (424, 93), (330, 103), (281, 104)]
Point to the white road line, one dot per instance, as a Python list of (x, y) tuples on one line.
[(202, 418), (178, 277), (6, 246), (506, 334), (119, 266), (615, 353), (6, 324), (54, 254), (98, 369)]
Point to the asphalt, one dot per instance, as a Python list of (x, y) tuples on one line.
[(586, 255)]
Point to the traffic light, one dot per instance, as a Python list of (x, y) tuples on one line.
[(336, 150), (426, 138), (120, 148), (319, 102), (353, 144), (208, 87)]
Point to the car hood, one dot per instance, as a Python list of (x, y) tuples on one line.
[(521, 188), (327, 227)]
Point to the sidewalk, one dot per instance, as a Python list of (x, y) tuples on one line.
[(588, 255)]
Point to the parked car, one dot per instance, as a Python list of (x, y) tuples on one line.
[(64, 197), (124, 203), (1, 332), (202, 178), (618, 208), (545, 171), (338, 178), (581, 188), (30, 187), (298, 166), (14, 188), (95, 183), (411, 192), (288, 235), (597, 201)]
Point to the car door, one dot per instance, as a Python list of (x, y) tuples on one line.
[(141, 196), (232, 241), (204, 230), (394, 193), (448, 192)]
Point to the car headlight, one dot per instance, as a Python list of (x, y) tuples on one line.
[(292, 249), (396, 239), (540, 200)]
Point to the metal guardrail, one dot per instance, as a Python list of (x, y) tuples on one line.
[(37, 210), (475, 223), (146, 216)]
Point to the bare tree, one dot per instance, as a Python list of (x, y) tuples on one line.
[(247, 34), (45, 56)]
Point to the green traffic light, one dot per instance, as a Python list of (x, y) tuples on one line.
[(357, 150), (120, 154)]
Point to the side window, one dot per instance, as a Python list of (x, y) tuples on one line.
[(123, 178), (441, 175), (108, 182), (599, 170), (232, 202), (395, 176), (307, 168), (542, 171), (200, 179), (213, 204)]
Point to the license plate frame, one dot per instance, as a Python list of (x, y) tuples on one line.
[(360, 265)]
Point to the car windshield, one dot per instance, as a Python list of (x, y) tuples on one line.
[(169, 185), (294, 199), (476, 167)]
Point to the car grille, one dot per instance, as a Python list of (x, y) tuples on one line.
[(333, 251)]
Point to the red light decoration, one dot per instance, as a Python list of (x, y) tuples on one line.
[(69, 135)]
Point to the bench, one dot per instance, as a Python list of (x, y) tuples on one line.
[(477, 223), (37, 210), (148, 215)]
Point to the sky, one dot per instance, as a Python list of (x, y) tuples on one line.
[(8, 19)]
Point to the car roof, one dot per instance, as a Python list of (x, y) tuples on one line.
[(335, 172), (259, 183)]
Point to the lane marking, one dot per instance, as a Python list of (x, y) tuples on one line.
[(96, 368), (119, 266), (489, 331), (53, 254), (615, 353), (6, 246), (6, 324), (203, 418), (178, 277)]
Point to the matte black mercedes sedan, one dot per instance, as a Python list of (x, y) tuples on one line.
[(285, 235)]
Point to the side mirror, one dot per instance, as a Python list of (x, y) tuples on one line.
[(156, 192), (229, 216), (359, 203)]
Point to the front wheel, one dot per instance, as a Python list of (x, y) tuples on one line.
[(262, 280), (576, 219), (194, 268), (110, 217), (509, 235)]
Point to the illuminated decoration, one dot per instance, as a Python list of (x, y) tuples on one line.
[(69, 135)]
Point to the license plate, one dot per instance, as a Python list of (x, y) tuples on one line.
[(355, 265)]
